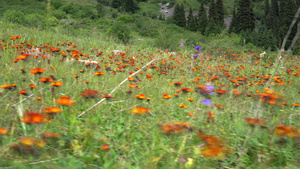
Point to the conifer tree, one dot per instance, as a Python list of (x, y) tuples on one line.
[(179, 16), (244, 20), (219, 10), (212, 11), (191, 21), (202, 19), (115, 3), (266, 7)]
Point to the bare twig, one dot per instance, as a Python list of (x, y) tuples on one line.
[(115, 88)]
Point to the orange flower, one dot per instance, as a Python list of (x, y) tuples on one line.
[(214, 151), (65, 100), (99, 73), (47, 135), (52, 110), (183, 106), (220, 92), (56, 84), (140, 110), (186, 90), (253, 121), (23, 92), (105, 147), (46, 80), (178, 83), (107, 96), (89, 93), (27, 141), (8, 86), (171, 129), (4, 131), (211, 116), (149, 76), (187, 126), (32, 117), (190, 99), (140, 96), (289, 131), (37, 71), (166, 96), (32, 86)]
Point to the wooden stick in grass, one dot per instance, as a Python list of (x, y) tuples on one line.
[(116, 88)]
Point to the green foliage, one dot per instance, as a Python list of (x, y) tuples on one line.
[(244, 20), (70, 8), (202, 19), (14, 16), (179, 16), (52, 21), (126, 18), (35, 20), (120, 31), (59, 14), (191, 21), (57, 3)]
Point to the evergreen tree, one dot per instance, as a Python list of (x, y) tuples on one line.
[(233, 21), (212, 11), (266, 7), (179, 16), (129, 6), (272, 19), (219, 10), (191, 21), (244, 20), (202, 19), (287, 18), (115, 3)]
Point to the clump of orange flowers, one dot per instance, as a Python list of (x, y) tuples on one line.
[(253, 121), (32, 117), (140, 96), (176, 127), (289, 131), (268, 96), (214, 147), (52, 110), (65, 100)]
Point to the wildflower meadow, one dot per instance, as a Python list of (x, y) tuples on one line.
[(87, 102)]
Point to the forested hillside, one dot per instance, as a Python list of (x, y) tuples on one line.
[(165, 24)]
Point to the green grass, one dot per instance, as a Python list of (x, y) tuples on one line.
[(137, 141)]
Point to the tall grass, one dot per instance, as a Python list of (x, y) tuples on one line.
[(138, 140)]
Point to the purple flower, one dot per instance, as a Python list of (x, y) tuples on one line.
[(211, 93), (249, 61), (207, 102), (195, 56), (200, 145), (181, 44), (210, 87), (198, 48)]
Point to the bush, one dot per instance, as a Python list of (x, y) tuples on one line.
[(59, 14), (35, 20), (119, 30), (126, 18), (14, 16), (57, 3), (52, 21), (70, 8)]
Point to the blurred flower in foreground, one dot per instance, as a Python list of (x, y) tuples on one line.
[(207, 102), (181, 44), (65, 100)]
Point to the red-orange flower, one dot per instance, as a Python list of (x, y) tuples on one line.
[(105, 147), (52, 110), (4, 131), (186, 90), (140, 96), (47, 135), (56, 84), (140, 110), (289, 131), (166, 96), (37, 71), (32, 117), (89, 93), (65, 100), (253, 121)]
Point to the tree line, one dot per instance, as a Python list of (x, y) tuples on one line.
[(267, 32)]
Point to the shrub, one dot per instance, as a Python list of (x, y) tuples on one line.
[(14, 16), (35, 20), (52, 21), (126, 18), (59, 14), (119, 30)]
